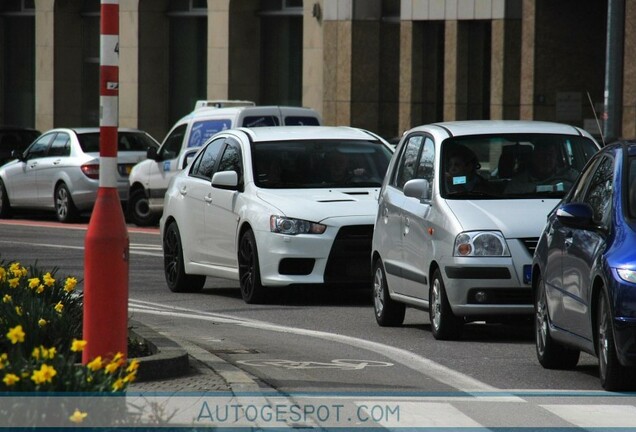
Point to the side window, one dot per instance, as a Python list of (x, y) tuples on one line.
[(259, 121), (231, 159), (407, 167), (40, 146), (172, 145), (599, 194), (426, 167), (301, 121), (579, 188), (61, 145), (203, 166)]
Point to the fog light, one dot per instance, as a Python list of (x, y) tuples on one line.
[(481, 296)]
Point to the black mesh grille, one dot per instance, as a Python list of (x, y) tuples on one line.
[(350, 257), (530, 244), (296, 266)]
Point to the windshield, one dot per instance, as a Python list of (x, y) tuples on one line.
[(513, 165), (319, 164)]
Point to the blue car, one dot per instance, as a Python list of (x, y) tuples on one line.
[(584, 271)]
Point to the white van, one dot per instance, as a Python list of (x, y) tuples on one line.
[(149, 179)]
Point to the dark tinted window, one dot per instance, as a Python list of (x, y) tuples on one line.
[(204, 164), (258, 121), (40, 146), (61, 145), (301, 121), (126, 141), (599, 193), (320, 164), (172, 144)]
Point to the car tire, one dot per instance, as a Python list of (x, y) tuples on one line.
[(5, 205), (444, 324), (388, 312), (613, 375), (65, 209), (138, 210), (550, 353), (173, 265), (252, 290)]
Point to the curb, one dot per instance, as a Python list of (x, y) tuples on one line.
[(168, 360)]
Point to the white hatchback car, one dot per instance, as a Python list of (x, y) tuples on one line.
[(275, 206), (60, 171), (460, 213)]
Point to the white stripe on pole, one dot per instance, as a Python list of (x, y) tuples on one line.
[(108, 172), (109, 50), (110, 110), (109, 1)]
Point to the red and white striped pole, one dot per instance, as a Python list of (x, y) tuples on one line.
[(106, 243)]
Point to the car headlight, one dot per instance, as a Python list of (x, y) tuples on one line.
[(285, 225), (480, 243), (627, 275)]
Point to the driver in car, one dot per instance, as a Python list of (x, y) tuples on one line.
[(545, 174)]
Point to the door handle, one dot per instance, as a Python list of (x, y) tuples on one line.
[(407, 224), (33, 165), (183, 190), (57, 162), (208, 198)]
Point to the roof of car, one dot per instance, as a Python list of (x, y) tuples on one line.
[(257, 109), (84, 130), (288, 133), (476, 127)]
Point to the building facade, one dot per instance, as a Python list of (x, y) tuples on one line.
[(383, 65)]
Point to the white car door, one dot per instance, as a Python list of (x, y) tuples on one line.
[(197, 197), (221, 218), (21, 180)]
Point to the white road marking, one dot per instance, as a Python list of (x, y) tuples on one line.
[(135, 248), (420, 364)]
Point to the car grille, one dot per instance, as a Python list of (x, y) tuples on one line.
[(350, 257), (296, 266), (530, 244)]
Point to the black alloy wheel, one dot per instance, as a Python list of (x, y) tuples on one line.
[(252, 290), (173, 266), (139, 210)]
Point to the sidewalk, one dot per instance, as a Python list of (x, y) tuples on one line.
[(180, 366)]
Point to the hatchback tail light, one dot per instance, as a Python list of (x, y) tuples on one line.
[(91, 171)]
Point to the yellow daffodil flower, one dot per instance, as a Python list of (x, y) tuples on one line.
[(18, 310), (70, 283), (13, 283), (44, 375), (3, 274), (118, 385), (34, 282), (112, 367), (133, 366), (6, 299), (16, 334), (130, 377), (78, 416), (36, 353), (10, 379), (15, 269), (78, 345), (50, 353), (48, 279), (39, 289), (95, 364), (42, 322), (59, 307)]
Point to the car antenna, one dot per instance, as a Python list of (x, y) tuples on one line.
[(598, 124)]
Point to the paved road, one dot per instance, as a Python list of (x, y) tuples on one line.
[(326, 341)]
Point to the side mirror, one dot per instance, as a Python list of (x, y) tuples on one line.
[(151, 153), (16, 154), (418, 188), (576, 215), (225, 180)]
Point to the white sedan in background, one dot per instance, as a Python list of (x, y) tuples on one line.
[(275, 206), (60, 171)]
